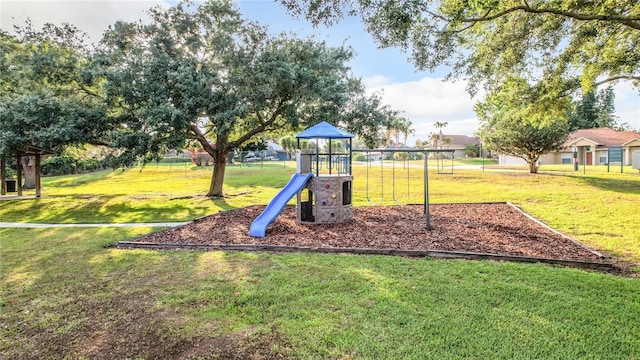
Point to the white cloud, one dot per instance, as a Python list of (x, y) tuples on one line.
[(92, 17), (627, 103), (428, 100), (376, 81)]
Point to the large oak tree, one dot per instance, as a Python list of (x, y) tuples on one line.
[(47, 100), (205, 74)]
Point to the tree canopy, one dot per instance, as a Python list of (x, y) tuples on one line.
[(207, 75), (593, 110), (46, 99), (513, 123), (568, 44)]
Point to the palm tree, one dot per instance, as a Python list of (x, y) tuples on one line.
[(407, 130), (435, 139), (392, 130), (439, 125), (448, 141), (396, 127)]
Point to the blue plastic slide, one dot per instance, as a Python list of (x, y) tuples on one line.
[(259, 225)]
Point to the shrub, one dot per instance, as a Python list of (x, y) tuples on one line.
[(359, 157), (472, 151), (65, 165), (59, 165), (10, 172), (174, 159)]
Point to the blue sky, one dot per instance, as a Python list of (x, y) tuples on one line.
[(369, 62), (422, 96)]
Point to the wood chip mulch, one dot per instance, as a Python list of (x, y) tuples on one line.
[(496, 228)]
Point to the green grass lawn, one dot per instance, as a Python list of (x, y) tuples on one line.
[(475, 161), (64, 294)]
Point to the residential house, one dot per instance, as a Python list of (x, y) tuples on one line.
[(591, 145), (595, 143), (276, 151), (458, 143)]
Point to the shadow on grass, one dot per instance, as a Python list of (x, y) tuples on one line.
[(97, 209), (76, 179), (42, 323), (223, 204), (618, 185)]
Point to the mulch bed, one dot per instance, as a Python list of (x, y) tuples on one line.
[(494, 231)]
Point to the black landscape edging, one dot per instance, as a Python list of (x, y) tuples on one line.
[(365, 251)]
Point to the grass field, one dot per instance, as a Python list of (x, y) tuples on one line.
[(598, 208), (64, 294)]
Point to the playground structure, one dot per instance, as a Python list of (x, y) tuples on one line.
[(326, 198), (323, 182)]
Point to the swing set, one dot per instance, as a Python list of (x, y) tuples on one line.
[(441, 156)]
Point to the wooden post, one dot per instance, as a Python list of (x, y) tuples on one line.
[(19, 174), (38, 175), (3, 175)]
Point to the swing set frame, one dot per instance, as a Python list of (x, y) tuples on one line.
[(425, 155)]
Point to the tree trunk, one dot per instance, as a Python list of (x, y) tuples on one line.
[(219, 152), (533, 167), (217, 179), (29, 171)]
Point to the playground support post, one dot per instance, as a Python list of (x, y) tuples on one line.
[(3, 175), (367, 166), (408, 178), (19, 173), (426, 189), (482, 157), (38, 176), (393, 178)]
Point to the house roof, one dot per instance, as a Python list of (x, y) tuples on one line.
[(602, 136), (398, 147), (462, 139), (274, 146), (324, 130)]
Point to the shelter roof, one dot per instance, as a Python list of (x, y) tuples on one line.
[(324, 130), (34, 150)]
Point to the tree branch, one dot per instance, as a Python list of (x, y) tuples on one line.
[(620, 77), (263, 127), (199, 136), (260, 117), (625, 20), (437, 16), (99, 143), (90, 92)]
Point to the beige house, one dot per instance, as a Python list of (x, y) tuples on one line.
[(592, 147), (595, 143), (458, 143)]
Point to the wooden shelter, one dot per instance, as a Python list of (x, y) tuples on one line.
[(34, 151)]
